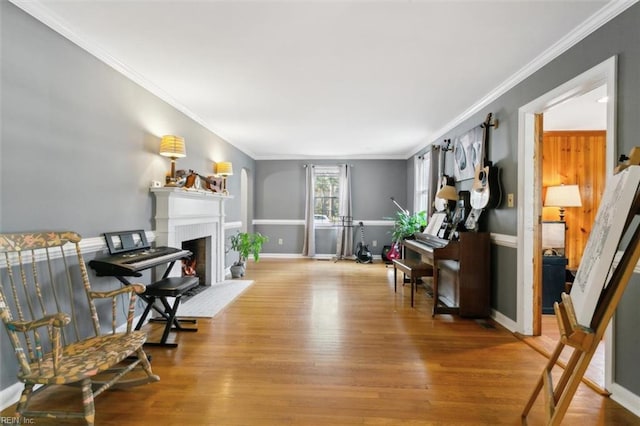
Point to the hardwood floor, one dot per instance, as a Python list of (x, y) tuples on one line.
[(546, 344), (324, 343)]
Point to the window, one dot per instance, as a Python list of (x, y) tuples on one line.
[(421, 183), (327, 194)]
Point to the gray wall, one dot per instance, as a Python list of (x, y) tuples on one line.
[(79, 143), (621, 36), (280, 191)]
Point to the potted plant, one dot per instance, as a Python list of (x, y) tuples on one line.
[(407, 224), (246, 244)]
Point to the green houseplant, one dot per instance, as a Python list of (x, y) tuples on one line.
[(406, 224), (246, 244)]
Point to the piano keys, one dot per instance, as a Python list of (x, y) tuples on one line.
[(129, 264), (131, 253), (461, 272)]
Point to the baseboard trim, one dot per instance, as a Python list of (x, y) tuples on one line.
[(504, 321), (10, 395), (626, 398)]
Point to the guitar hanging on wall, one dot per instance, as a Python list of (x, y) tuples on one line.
[(486, 192), (440, 204)]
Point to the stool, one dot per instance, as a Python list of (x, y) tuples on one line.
[(160, 290), (414, 269)]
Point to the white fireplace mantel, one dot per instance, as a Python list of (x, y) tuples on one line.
[(185, 214)]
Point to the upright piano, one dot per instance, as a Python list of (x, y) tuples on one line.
[(461, 272)]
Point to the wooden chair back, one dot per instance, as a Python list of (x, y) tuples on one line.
[(51, 315)]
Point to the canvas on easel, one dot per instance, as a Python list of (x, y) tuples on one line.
[(595, 266), (584, 314)]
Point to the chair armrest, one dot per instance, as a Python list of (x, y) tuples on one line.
[(133, 290), (59, 319)]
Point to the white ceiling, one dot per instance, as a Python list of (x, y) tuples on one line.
[(586, 112), (324, 79)]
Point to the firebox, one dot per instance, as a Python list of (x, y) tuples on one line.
[(196, 264)]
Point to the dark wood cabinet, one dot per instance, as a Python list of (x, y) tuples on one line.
[(553, 279)]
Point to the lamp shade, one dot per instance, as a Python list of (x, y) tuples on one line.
[(224, 168), (448, 192), (173, 146), (563, 196)]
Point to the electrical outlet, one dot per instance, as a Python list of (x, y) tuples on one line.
[(280, 241), (374, 243), (510, 200)]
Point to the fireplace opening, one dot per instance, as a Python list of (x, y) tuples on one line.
[(196, 264)]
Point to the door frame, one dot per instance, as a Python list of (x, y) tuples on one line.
[(530, 187)]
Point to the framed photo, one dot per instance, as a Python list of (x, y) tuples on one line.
[(466, 153)]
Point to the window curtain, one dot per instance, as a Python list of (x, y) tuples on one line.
[(426, 179), (309, 244), (345, 232), (420, 201)]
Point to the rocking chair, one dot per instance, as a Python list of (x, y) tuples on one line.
[(51, 316)]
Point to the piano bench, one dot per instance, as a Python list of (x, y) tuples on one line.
[(413, 269), (172, 286), (167, 287)]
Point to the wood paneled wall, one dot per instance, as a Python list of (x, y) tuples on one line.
[(570, 158)]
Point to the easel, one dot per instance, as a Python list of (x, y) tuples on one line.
[(584, 340)]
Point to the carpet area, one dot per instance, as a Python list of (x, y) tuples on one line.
[(209, 302)]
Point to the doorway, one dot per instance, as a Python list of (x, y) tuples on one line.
[(530, 130), (573, 176)]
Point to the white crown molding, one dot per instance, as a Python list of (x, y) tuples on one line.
[(36, 9), (604, 15)]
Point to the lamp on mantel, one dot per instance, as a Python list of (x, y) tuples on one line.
[(223, 169), (563, 196), (173, 147)]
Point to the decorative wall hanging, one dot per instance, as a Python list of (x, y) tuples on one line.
[(466, 149)]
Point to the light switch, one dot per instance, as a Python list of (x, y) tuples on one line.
[(510, 200)]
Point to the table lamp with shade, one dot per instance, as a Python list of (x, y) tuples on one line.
[(224, 169), (173, 147), (563, 196)]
